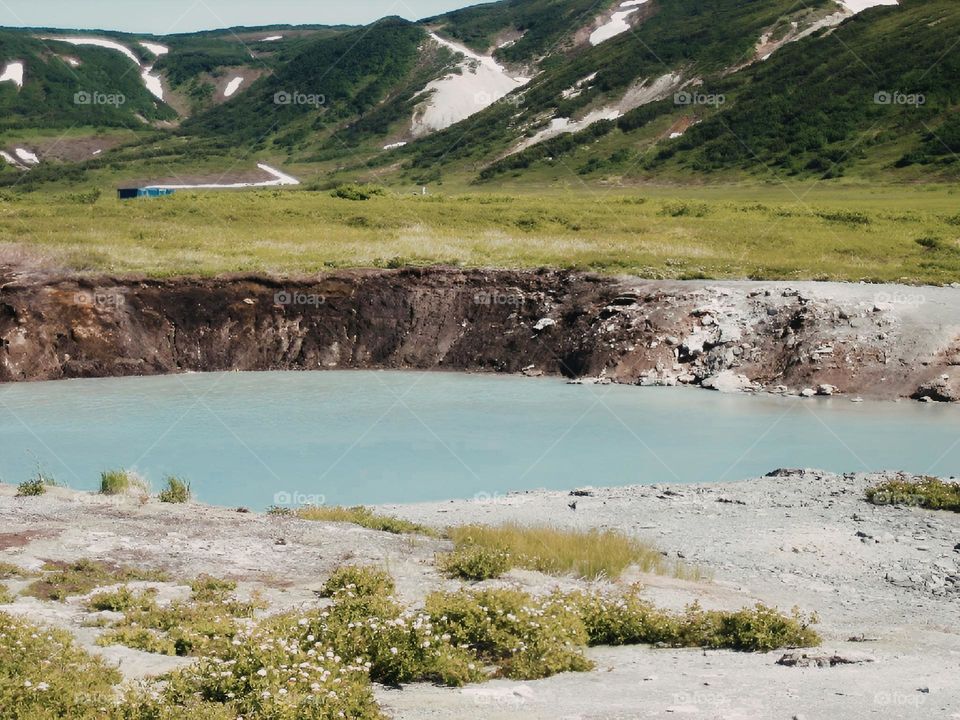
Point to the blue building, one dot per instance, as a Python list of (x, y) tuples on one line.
[(147, 192)]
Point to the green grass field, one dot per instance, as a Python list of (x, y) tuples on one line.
[(839, 232)]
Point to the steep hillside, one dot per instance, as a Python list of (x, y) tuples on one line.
[(64, 85), (615, 91), (336, 83)]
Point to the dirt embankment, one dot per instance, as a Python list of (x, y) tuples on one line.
[(872, 341)]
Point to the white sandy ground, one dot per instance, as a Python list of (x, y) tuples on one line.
[(279, 178), (232, 86), (618, 22), (13, 72), (481, 82), (806, 538)]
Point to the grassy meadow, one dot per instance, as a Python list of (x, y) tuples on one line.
[(821, 232)]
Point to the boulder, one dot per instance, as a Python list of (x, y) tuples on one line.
[(727, 381)]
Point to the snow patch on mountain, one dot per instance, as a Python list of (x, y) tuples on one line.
[(13, 72), (232, 86), (155, 48), (481, 82), (618, 22), (858, 6), (636, 95)]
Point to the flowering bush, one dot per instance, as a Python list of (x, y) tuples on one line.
[(43, 675), (528, 638), (360, 580)]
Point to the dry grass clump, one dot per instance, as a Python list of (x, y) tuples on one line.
[(591, 555)]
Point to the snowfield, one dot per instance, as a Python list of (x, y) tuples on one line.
[(232, 86), (617, 24), (279, 179), (482, 82), (156, 49), (856, 6), (27, 156), (13, 72), (97, 42)]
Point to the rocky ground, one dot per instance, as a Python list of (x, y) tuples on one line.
[(885, 581), (877, 341)]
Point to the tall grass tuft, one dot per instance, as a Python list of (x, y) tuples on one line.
[(590, 555), (364, 517), (121, 482), (177, 491)]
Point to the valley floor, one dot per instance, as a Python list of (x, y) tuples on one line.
[(884, 580)]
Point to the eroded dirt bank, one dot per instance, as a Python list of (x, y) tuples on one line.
[(862, 340)]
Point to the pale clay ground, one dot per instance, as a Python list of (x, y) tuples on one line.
[(793, 541)]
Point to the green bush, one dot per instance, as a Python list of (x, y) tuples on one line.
[(362, 581), (31, 488), (931, 493), (355, 191), (122, 600), (207, 588), (177, 491), (626, 619), (35, 486), (527, 638), (475, 562)]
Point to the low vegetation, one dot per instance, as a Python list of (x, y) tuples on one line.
[(44, 675), (60, 580), (203, 625), (475, 562), (360, 581), (931, 493), (121, 482), (756, 232), (319, 664), (9, 570), (362, 516), (35, 486), (6, 597), (176, 491), (483, 551)]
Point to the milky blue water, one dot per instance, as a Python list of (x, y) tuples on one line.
[(256, 439)]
